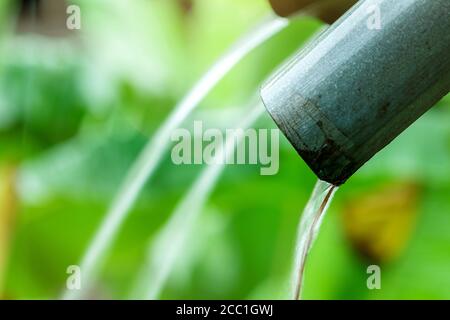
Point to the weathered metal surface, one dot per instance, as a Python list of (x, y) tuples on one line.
[(356, 88)]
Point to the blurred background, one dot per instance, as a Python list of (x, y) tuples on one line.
[(77, 106)]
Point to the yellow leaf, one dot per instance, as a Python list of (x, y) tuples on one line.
[(379, 224)]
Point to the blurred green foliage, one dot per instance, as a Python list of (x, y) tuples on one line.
[(75, 112)]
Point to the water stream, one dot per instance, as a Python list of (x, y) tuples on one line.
[(150, 157), (169, 243), (309, 226)]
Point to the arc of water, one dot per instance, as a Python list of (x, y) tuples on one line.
[(170, 241), (152, 154), (309, 226)]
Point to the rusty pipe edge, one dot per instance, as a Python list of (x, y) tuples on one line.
[(357, 87)]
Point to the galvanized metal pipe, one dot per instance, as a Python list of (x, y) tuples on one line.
[(356, 88)]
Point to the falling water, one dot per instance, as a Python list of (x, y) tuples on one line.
[(168, 245), (153, 152), (309, 226)]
